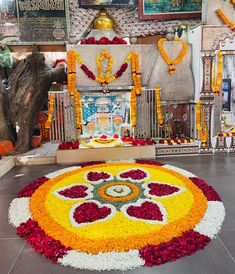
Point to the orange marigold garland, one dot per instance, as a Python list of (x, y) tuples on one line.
[(136, 73), (78, 110), (179, 58), (133, 107), (104, 79), (71, 81), (225, 19), (158, 108), (216, 83), (73, 56), (201, 124), (51, 103)]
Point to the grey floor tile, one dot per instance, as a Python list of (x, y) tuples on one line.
[(29, 262), (214, 259), (10, 248), (228, 238), (6, 231)]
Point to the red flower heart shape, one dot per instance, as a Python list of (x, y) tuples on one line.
[(94, 176), (147, 211), (134, 174), (161, 190), (90, 212), (74, 192)]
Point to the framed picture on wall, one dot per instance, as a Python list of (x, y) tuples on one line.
[(107, 3), (169, 9), (226, 90)]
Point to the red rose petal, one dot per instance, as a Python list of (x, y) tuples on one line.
[(135, 174), (162, 189), (90, 212), (147, 211), (187, 244), (96, 176), (74, 192)]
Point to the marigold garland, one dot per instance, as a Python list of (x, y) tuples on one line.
[(158, 108), (78, 110), (179, 58), (51, 102), (225, 19), (133, 107), (136, 73), (201, 124), (216, 84), (71, 81), (104, 80)]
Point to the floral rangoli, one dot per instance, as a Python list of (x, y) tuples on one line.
[(117, 215)]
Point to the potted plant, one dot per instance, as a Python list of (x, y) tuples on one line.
[(36, 137)]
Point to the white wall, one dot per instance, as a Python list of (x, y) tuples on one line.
[(194, 37)]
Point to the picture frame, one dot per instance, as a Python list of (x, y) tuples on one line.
[(107, 4), (165, 10), (226, 92)]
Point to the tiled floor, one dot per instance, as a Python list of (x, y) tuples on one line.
[(217, 258)]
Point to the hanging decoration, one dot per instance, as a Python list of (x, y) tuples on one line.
[(78, 110), (158, 108), (179, 58), (216, 83), (72, 89), (201, 124), (51, 103), (225, 19), (104, 80), (136, 73), (133, 108)]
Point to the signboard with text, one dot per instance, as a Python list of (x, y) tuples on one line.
[(42, 21)]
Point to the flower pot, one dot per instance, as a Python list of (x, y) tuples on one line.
[(36, 141)]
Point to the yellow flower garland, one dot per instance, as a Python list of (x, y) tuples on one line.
[(73, 56), (136, 73), (201, 124), (101, 78), (133, 107), (216, 84), (158, 108), (78, 110), (225, 19), (51, 104), (179, 58)]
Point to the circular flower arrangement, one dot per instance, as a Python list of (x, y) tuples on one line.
[(117, 215)]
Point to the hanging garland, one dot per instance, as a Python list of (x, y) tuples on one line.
[(158, 108), (136, 73), (104, 80), (201, 124), (78, 110), (225, 19), (133, 107), (178, 59), (51, 103), (216, 84), (73, 56), (72, 89)]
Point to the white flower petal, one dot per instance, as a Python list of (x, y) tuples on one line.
[(212, 221), (180, 170), (103, 261), (61, 171), (19, 211)]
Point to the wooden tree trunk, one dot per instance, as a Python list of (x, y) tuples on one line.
[(30, 80)]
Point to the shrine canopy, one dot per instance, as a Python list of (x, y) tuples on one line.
[(147, 55)]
